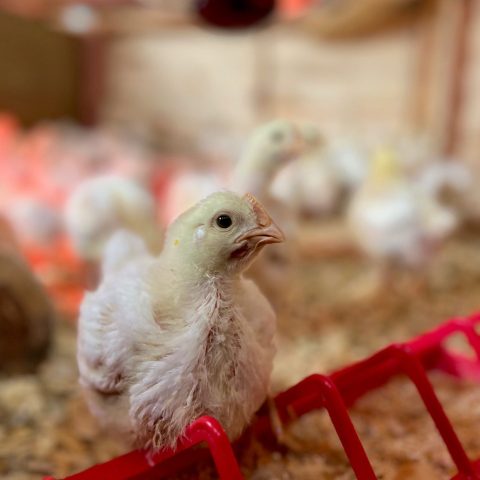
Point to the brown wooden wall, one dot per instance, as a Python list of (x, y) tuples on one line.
[(39, 71), (181, 84)]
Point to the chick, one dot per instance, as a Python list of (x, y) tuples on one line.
[(166, 339), (393, 221), (310, 185), (270, 147), (100, 206), (349, 158)]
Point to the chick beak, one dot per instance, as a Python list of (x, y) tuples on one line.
[(266, 231), (263, 235), (298, 145)]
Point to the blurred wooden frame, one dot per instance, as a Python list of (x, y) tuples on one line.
[(443, 28), (48, 74), (442, 67), (442, 59), (347, 19)]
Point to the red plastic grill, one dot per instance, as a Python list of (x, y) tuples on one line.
[(335, 393)]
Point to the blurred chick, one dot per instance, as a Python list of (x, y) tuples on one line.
[(394, 222), (100, 206), (349, 159), (310, 185), (270, 148), (165, 340)]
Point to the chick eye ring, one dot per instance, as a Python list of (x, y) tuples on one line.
[(224, 221)]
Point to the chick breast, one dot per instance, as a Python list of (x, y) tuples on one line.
[(153, 358)]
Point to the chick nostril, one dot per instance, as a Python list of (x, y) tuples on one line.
[(263, 219)]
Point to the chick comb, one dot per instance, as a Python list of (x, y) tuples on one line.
[(263, 217)]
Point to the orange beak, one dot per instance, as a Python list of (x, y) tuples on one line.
[(267, 230), (262, 235), (298, 146)]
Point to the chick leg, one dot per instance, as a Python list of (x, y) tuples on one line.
[(281, 435), (388, 278), (377, 287)]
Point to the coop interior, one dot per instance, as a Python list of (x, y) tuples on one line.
[(347, 131)]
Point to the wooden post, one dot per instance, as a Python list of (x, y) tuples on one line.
[(92, 78), (455, 95)]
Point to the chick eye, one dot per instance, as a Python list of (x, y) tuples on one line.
[(277, 136), (224, 221)]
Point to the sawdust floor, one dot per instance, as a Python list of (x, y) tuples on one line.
[(46, 429)]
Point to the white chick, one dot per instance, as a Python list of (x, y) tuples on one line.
[(166, 339), (100, 206), (270, 147), (310, 185), (432, 172), (444, 176), (349, 159), (392, 220)]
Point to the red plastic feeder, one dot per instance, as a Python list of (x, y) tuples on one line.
[(335, 393)]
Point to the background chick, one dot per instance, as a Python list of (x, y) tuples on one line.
[(100, 206), (394, 222), (310, 185), (270, 147), (165, 340), (349, 157)]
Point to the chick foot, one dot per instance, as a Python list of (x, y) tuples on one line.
[(282, 436)]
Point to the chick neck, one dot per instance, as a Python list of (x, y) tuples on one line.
[(191, 266), (255, 171)]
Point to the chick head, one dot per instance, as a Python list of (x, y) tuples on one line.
[(222, 234), (101, 205), (91, 215), (311, 135), (274, 143), (385, 166)]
